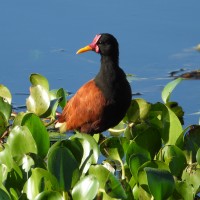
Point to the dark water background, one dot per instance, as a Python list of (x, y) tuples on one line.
[(155, 37)]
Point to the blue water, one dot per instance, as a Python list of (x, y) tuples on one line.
[(155, 37)]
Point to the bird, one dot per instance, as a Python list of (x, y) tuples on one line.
[(102, 102)]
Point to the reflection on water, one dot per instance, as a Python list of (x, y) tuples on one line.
[(155, 38)]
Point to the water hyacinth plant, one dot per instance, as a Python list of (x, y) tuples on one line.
[(147, 156)]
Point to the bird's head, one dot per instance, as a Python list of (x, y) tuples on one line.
[(105, 44)]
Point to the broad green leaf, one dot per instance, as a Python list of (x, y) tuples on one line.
[(191, 176), (49, 195), (108, 182), (86, 188), (184, 191), (63, 165), (138, 110), (174, 158), (5, 108), (39, 101), (135, 149), (38, 131), (40, 180), (166, 93), (5, 93), (73, 145), (164, 119), (148, 138), (160, 182), (135, 162), (90, 150), (21, 141), (6, 157), (38, 79), (142, 176)]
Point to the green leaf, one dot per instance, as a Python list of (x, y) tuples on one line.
[(38, 79), (135, 149), (38, 131), (49, 195), (184, 191), (160, 182), (5, 93), (108, 182), (174, 158), (138, 110), (39, 101), (6, 157), (86, 188), (5, 108), (63, 165), (90, 150), (191, 176), (135, 162), (167, 122), (148, 138), (39, 181), (166, 93), (21, 141)]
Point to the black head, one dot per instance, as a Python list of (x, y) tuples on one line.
[(105, 44), (108, 45)]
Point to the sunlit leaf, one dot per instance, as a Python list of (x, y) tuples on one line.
[(38, 79), (5, 93), (164, 119), (39, 181), (39, 101), (191, 176), (138, 110), (86, 188), (38, 131), (166, 93), (49, 195), (108, 182), (160, 182), (21, 141), (6, 157), (5, 108), (184, 191), (90, 150)]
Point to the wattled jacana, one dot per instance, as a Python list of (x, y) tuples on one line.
[(102, 102)]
